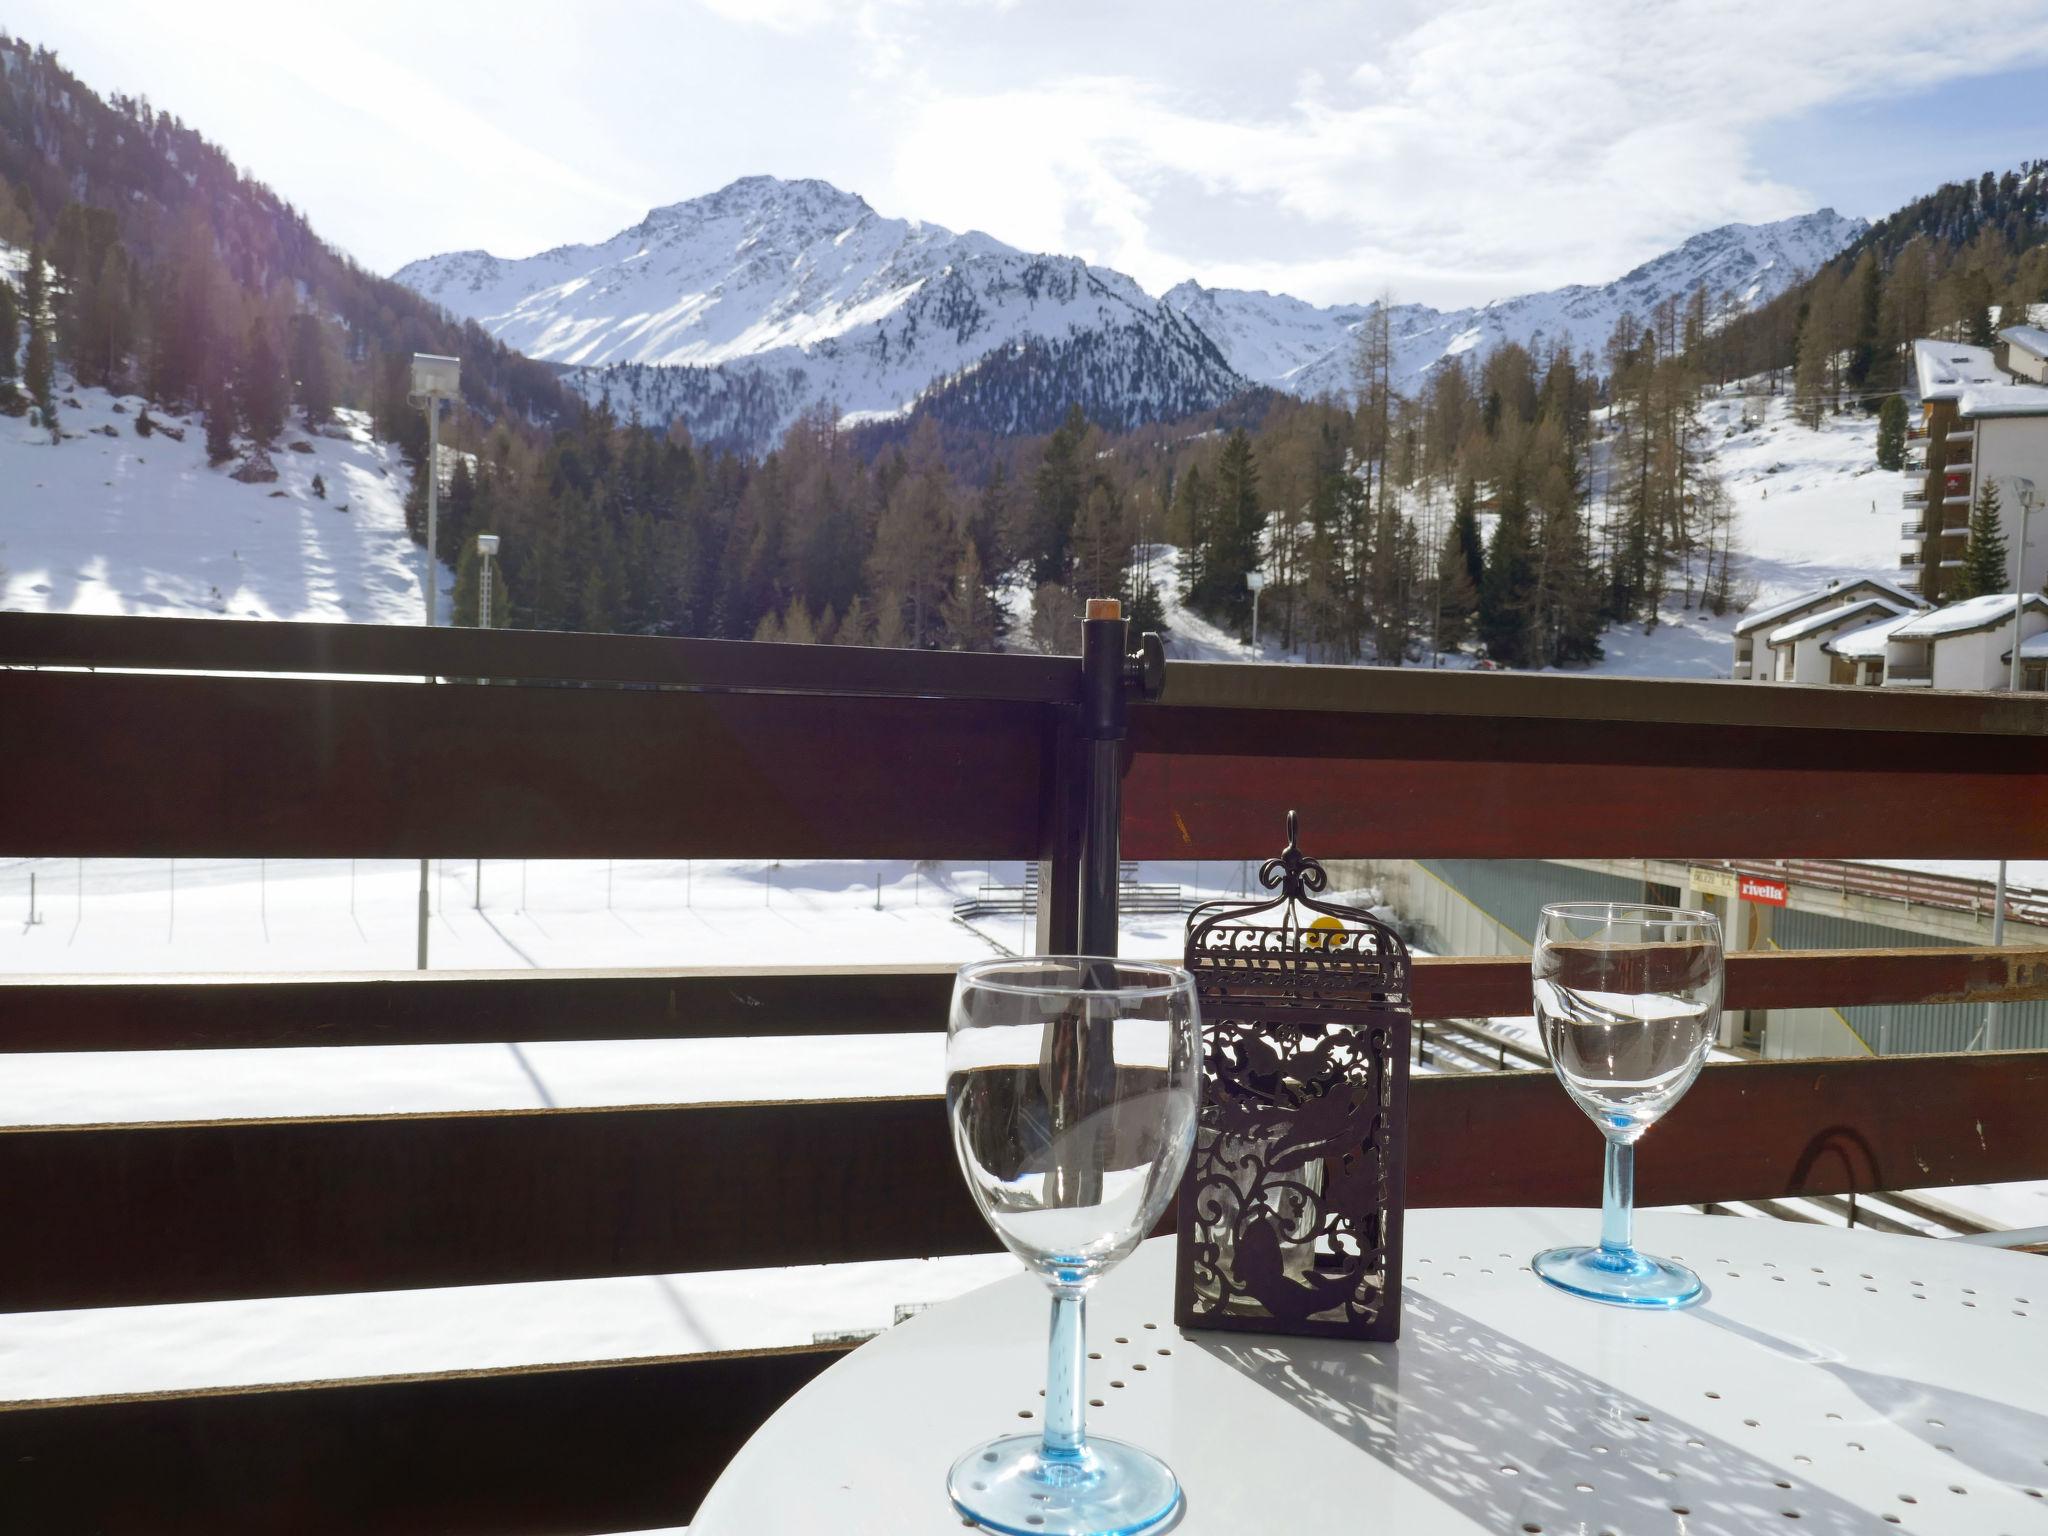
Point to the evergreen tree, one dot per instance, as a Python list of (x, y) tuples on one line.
[(1986, 560), (10, 338), (1457, 597), (1891, 433), (219, 405), (312, 369), (1056, 492), (38, 371), (967, 612), (1465, 536), (260, 393), (1230, 539), (1506, 590)]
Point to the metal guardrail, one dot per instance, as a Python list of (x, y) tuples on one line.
[(1921, 888)]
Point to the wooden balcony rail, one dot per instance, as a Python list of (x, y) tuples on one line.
[(620, 746)]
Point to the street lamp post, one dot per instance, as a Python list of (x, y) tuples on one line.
[(434, 379), (486, 549), (2023, 490), (1256, 582)]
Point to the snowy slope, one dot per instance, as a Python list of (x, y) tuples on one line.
[(1306, 350), (1809, 505), (798, 294), (111, 522)]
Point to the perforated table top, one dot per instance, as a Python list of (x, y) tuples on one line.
[(1830, 1382)]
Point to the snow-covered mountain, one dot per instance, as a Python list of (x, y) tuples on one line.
[(738, 310), (1306, 350)]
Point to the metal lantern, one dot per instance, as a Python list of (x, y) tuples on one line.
[(1290, 1212)]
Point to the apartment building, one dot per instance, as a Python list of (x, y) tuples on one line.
[(1983, 418)]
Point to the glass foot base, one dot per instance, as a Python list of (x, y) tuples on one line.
[(1624, 1278), (1109, 1489)]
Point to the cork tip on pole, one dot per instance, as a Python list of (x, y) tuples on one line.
[(1105, 608)]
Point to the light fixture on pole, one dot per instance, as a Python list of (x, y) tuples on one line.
[(1256, 582), (2023, 492), (434, 379), (486, 550)]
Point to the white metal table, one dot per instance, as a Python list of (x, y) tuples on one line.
[(1831, 1382)]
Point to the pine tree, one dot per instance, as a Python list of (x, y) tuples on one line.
[(1230, 541), (312, 369), (966, 611), (10, 338), (1506, 590), (219, 405), (1891, 433), (1986, 561), (1056, 492), (1465, 532), (260, 386), (38, 371)]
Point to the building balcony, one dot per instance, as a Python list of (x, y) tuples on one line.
[(1914, 529), (1916, 498), (1910, 559), (889, 753), (1955, 530), (1951, 565)]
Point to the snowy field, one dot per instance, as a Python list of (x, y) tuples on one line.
[(127, 524)]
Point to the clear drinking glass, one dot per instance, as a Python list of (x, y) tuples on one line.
[(1628, 1000), (1072, 1085)]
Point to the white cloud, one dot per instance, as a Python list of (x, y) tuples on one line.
[(1552, 140)]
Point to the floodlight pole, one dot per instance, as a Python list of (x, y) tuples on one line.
[(434, 379), (1256, 580), (2023, 489)]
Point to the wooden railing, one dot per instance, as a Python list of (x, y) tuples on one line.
[(324, 742)]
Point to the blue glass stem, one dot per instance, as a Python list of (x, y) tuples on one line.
[(1618, 1198), (1066, 1366)]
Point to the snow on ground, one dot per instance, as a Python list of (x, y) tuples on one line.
[(125, 524), (1809, 505)]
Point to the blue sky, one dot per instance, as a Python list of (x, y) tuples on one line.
[(1449, 151), (1872, 156)]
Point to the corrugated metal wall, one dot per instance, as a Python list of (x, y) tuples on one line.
[(1917, 1028), (1513, 891)]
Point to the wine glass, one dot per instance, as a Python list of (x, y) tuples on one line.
[(1072, 1085), (1628, 999)]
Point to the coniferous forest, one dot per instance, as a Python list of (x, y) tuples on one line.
[(1514, 506)]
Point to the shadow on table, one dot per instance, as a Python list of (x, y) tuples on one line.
[(1518, 1441), (1999, 1440)]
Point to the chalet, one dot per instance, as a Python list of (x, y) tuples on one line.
[(1858, 655), (1754, 660), (1965, 645), (1799, 651)]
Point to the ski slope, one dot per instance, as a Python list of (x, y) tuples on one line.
[(109, 521)]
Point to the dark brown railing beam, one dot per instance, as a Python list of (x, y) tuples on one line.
[(107, 1215), (540, 1451), (136, 766), (412, 651)]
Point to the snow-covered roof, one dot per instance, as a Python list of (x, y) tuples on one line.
[(1834, 595), (2033, 648), (1982, 400), (1867, 643), (1866, 610), (2028, 338), (1970, 614), (1944, 369)]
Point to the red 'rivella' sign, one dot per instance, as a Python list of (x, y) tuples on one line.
[(1755, 888)]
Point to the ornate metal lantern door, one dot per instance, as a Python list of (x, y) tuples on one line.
[(1290, 1212)]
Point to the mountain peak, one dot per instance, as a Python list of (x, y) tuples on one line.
[(805, 199)]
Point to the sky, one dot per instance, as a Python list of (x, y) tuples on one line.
[(1448, 153)]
